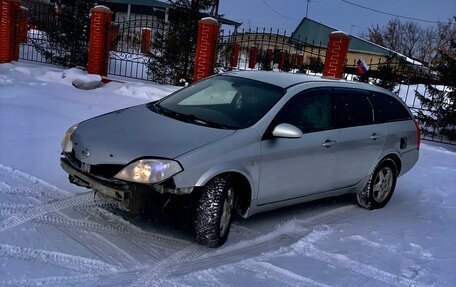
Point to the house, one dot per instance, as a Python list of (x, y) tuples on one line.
[(311, 30), (125, 10)]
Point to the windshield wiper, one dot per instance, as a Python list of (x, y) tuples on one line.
[(189, 118), (199, 121), (161, 110)]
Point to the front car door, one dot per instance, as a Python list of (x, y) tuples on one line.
[(360, 138), (293, 168)]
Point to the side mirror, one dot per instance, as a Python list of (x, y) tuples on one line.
[(286, 131)]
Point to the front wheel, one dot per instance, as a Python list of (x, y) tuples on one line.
[(212, 212), (380, 187)]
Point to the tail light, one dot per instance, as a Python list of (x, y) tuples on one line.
[(418, 134)]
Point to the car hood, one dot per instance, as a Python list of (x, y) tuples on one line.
[(125, 135)]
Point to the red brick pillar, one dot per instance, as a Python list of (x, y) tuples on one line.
[(235, 55), (99, 44), (206, 48), (253, 57), (336, 54), (145, 40), (8, 12)]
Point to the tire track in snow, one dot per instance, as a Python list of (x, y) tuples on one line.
[(14, 205), (152, 238), (243, 250), (235, 255), (280, 275), (8, 209), (62, 260), (150, 243), (13, 181), (41, 210), (369, 243), (107, 218), (158, 274), (344, 262), (26, 191), (103, 248), (161, 272)]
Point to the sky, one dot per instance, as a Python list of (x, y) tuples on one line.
[(334, 13)]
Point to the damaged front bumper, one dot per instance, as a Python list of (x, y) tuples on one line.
[(113, 189), (133, 195)]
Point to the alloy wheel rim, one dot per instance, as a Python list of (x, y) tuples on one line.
[(383, 183), (226, 213)]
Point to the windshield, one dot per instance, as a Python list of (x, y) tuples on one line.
[(222, 102)]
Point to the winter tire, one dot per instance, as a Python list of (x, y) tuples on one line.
[(213, 212), (380, 187)]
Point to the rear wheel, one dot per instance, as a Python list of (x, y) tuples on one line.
[(380, 187), (212, 213)]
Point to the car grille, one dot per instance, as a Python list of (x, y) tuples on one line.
[(102, 170)]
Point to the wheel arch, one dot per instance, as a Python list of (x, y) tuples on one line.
[(242, 182), (394, 157)]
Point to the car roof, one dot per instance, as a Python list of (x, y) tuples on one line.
[(285, 80)]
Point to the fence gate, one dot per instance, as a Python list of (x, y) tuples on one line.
[(149, 48)]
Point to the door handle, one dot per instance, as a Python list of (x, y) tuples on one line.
[(328, 143), (375, 137)]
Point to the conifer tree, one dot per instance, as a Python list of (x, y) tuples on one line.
[(172, 55), (68, 33), (438, 117)]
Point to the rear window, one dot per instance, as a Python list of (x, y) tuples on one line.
[(388, 109), (353, 108)]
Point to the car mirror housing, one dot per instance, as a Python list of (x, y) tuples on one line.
[(286, 131)]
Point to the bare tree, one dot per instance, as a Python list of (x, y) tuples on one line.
[(375, 34), (391, 35), (410, 34), (413, 40), (426, 46)]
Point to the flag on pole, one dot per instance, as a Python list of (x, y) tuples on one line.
[(361, 66)]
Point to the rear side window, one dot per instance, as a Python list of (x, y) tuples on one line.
[(310, 111), (388, 109), (353, 108)]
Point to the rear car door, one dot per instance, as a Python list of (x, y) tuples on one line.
[(360, 138), (293, 168), (402, 135)]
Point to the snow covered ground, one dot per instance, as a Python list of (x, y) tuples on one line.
[(55, 234)]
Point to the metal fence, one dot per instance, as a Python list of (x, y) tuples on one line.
[(47, 38), (268, 50)]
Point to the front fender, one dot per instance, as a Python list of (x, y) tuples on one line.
[(213, 172)]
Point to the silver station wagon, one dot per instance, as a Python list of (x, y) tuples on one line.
[(244, 143)]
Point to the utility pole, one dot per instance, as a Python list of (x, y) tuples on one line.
[(215, 8), (217, 2), (307, 7)]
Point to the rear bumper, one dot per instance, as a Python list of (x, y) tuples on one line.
[(102, 186)]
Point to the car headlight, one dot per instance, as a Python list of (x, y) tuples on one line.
[(149, 170), (66, 144)]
